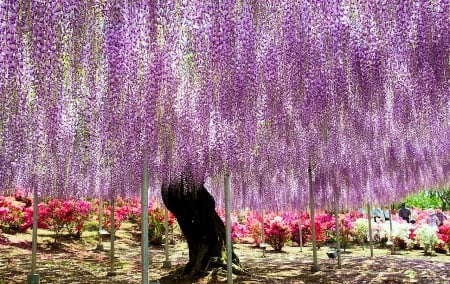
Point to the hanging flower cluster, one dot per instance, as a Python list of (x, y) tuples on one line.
[(359, 90)]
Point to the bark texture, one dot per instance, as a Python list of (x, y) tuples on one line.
[(204, 230)]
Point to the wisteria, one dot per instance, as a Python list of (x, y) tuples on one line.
[(358, 89)]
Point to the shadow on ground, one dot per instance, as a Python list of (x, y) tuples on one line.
[(76, 261)]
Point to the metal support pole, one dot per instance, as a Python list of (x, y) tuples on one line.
[(166, 263), (338, 237), (228, 229), (390, 223), (316, 266), (172, 237), (100, 228), (263, 236), (33, 278), (369, 216), (112, 271), (144, 226), (263, 244), (300, 233)]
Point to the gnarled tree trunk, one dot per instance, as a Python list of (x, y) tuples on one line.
[(202, 227)]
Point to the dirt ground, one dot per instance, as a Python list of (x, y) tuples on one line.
[(78, 261)]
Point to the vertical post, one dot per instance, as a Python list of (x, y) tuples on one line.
[(263, 236), (316, 266), (300, 233), (338, 236), (33, 278), (166, 263), (100, 218), (228, 229), (144, 225), (263, 244), (172, 237), (34, 237), (390, 222), (112, 271), (369, 216)]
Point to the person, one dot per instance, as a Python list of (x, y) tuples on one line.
[(441, 216), (432, 219), (413, 216), (386, 213), (404, 213), (378, 215), (361, 210)]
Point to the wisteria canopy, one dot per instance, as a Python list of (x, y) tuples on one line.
[(360, 90)]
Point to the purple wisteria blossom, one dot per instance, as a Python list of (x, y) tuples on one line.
[(359, 90)]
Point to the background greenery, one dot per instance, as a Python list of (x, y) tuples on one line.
[(430, 198)]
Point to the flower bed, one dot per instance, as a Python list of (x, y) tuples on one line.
[(70, 216)]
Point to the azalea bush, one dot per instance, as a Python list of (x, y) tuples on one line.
[(59, 214), (325, 228), (361, 230), (238, 231), (380, 232), (3, 209), (12, 210), (305, 227), (124, 210), (400, 235), (11, 213), (245, 226), (156, 217), (346, 231), (121, 213), (254, 227), (353, 215), (277, 233), (156, 227), (43, 219), (135, 208), (16, 213), (444, 235), (427, 238)]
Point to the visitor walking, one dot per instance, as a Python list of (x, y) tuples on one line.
[(432, 219), (386, 213), (404, 213), (413, 216), (441, 216), (378, 215)]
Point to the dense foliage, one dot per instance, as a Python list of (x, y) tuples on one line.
[(423, 199)]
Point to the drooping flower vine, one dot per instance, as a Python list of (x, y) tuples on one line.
[(358, 89)]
